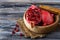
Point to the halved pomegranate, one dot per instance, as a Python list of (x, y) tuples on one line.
[(41, 20), (35, 16)]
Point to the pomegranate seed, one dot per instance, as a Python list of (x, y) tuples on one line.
[(21, 34), (44, 24), (17, 30), (13, 32), (17, 25)]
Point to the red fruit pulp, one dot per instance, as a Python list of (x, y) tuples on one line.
[(47, 18)]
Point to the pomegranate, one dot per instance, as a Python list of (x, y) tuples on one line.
[(21, 34)]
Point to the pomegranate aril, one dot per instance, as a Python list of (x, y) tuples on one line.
[(21, 34), (17, 25), (44, 24), (27, 18), (17, 30), (13, 32)]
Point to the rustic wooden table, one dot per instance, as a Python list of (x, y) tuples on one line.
[(10, 12)]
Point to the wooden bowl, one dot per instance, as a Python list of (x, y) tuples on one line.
[(42, 29)]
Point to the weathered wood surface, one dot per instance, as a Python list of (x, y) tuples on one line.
[(38, 1), (10, 12)]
